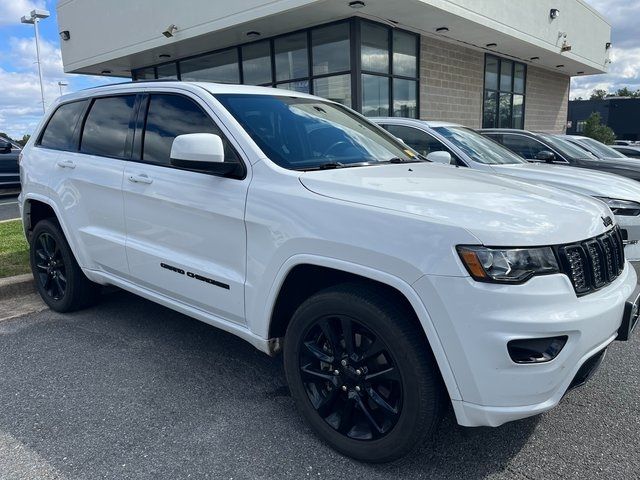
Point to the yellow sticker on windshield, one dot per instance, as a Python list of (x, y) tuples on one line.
[(410, 153)]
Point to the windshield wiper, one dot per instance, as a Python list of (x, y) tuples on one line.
[(330, 165), (401, 160)]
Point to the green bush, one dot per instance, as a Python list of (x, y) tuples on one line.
[(595, 129)]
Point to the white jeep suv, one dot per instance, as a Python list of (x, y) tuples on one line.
[(392, 285)]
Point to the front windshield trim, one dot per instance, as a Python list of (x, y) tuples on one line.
[(305, 133)]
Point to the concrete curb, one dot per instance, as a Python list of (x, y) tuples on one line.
[(16, 286)]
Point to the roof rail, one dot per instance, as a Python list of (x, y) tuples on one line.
[(153, 80)]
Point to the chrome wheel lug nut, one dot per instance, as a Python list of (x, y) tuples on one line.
[(358, 372), (357, 388), (336, 372), (343, 363), (344, 388)]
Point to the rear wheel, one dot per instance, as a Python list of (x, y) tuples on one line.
[(58, 277), (362, 374)]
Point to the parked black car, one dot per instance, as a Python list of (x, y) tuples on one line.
[(631, 151), (549, 148), (9, 170)]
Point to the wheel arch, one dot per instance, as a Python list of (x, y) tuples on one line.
[(304, 275)]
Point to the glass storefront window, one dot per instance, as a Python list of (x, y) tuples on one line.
[(506, 68), (301, 86), (168, 71), (405, 103), (491, 73), (216, 67), (374, 51), (518, 78), (337, 88), (405, 54), (145, 74), (504, 93), (518, 111), (256, 63), (291, 57), (375, 96), (331, 49)]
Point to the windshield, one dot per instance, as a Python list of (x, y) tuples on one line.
[(599, 149), (478, 147), (307, 134), (565, 147)]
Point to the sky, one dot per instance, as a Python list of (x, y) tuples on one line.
[(21, 110)]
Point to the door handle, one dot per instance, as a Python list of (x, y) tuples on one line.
[(140, 178), (66, 164)]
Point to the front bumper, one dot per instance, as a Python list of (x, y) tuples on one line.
[(475, 321)]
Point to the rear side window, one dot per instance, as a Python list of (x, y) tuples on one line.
[(58, 133), (107, 126), (172, 115)]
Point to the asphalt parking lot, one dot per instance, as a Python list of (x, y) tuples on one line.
[(129, 389), (8, 206)]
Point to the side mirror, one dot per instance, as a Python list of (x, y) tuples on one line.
[(202, 152), (546, 156), (440, 157), (5, 147)]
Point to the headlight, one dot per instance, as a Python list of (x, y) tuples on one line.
[(622, 207), (507, 265)]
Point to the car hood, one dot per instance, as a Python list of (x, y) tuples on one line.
[(497, 210), (579, 180)]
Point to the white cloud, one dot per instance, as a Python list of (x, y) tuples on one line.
[(20, 102), (12, 10), (624, 71)]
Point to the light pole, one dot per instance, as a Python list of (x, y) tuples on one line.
[(62, 84), (33, 18)]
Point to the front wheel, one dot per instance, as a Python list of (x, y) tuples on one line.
[(362, 374), (59, 278)]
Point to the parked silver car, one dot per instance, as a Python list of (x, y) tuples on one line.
[(596, 148), (451, 143)]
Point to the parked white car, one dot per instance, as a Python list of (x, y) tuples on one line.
[(390, 284), (452, 143), (596, 148)]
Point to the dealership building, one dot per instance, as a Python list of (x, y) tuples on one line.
[(481, 63)]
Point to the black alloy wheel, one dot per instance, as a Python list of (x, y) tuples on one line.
[(50, 268), (362, 373), (350, 377), (59, 279)]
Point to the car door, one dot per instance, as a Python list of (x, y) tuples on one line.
[(8, 163), (86, 143), (186, 237)]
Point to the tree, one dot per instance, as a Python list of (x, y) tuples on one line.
[(625, 92), (598, 94), (595, 129), (25, 139)]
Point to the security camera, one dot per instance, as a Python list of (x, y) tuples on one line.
[(171, 29)]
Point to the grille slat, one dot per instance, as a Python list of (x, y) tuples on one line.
[(593, 263)]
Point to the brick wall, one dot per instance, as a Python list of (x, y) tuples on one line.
[(451, 81), (547, 100)]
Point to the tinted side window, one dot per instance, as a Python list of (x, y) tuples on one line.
[(107, 126), (172, 115), (58, 133), (420, 141), (524, 146)]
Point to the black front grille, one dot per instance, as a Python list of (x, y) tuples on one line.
[(593, 263)]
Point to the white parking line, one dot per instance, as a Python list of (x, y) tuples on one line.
[(15, 202), (10, 220)]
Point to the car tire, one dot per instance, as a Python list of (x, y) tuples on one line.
[(58, 277), (341, 390)]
